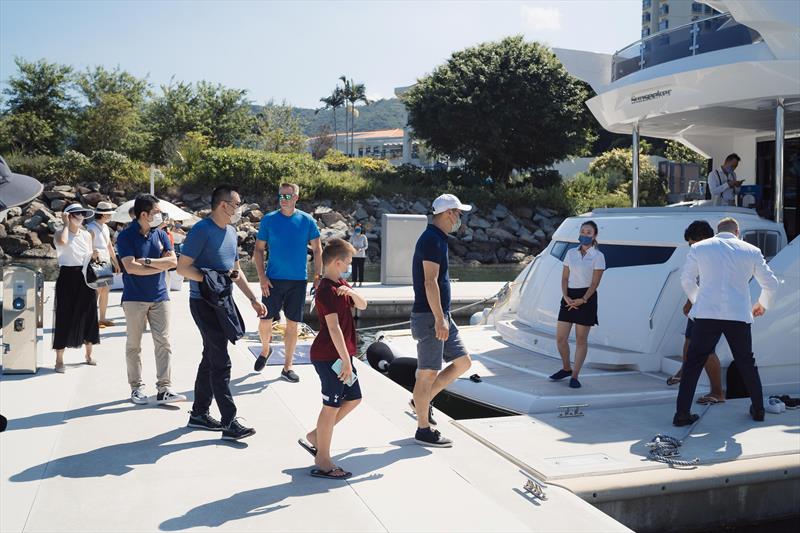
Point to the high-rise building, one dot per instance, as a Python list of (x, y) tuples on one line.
[(660, 15)]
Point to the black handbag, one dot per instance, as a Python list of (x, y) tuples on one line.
[(98, 274)]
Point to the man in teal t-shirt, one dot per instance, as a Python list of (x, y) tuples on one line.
[(287, 233)]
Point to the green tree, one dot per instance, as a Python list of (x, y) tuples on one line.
[(333, 102), (96, 83), (277, 129), (225, 114), (675, 151), (615, 167), (39, 108), (353, 93), (500, 106)]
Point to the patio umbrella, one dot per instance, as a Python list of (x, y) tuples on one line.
[(174, 212)]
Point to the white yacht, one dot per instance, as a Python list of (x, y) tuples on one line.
[(729, 83)]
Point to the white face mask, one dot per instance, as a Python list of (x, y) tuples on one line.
[(236, 216), (158, 218), (347, 273)]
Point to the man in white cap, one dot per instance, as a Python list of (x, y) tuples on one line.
[(431, 324)]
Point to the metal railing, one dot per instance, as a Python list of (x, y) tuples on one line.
[(707, 35), (660, 294)]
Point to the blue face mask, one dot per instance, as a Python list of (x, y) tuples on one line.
[(358, 230), (346, 274), (585, 240)]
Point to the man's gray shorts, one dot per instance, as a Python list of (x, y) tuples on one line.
[(430, 350)]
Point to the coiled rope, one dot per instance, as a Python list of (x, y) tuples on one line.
[(665, 449)]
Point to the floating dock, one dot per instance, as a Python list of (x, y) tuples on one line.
[(79, 456)]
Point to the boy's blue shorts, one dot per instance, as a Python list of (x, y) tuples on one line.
[(334, 392)]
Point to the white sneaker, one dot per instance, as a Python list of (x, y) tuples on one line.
[(774, 406), (139, 397), (168, 396)]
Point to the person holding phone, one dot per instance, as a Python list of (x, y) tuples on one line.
[(332, 355), (722, 182)]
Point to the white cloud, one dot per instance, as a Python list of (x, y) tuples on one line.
[(374, 97), (541, 18)]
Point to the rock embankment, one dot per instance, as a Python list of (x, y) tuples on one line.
[(486, 236)]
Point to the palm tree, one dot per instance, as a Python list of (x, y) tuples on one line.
[(358, 93), (346, 98), (334, 101)]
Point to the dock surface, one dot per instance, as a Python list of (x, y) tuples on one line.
[(79, 456)]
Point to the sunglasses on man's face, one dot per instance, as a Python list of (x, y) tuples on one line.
[(286, 197)]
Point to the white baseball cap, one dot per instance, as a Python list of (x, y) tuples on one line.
[(448, 201)]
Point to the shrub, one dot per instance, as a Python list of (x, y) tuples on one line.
[(252, 170), (335, 160)]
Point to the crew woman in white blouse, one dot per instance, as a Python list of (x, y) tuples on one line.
[(583, 269)]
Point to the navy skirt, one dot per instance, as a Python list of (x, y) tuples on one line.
[(585, 315)]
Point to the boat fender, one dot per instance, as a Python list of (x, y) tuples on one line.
[(379, 356), (403, 371)]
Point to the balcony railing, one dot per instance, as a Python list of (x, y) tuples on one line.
[(698, 37)]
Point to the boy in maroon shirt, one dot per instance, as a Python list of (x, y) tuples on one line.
[(335, 344)]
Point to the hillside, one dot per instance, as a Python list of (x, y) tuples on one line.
[(380, 115)]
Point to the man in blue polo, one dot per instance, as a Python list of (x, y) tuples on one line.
[(146, 255), (431, 324), (287, 232)]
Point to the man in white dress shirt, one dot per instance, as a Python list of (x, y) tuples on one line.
[(724, 265), (722, 182)]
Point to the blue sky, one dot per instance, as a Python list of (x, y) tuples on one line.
[(295, 50)]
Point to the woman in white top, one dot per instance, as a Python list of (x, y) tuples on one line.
[(101, 237), (360, 243), (75, 321), (583, 269)]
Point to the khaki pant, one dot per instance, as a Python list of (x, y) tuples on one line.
[(137, 315)]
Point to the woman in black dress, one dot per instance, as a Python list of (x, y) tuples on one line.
[(75, 322), (583, 269)]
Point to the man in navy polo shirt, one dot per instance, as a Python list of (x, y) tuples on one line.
[(431, 324), (147, 254)]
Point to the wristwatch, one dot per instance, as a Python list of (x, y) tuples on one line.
[(147, 261)]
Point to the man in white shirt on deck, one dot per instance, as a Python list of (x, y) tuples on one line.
[(722, 182), (724, 265)]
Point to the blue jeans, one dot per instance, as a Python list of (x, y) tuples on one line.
[(214, 372)]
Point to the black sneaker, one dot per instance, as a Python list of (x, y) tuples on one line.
[(432, 437), (430, 411), (684, 420), (261, 361), (757, 414), (561, 374), (236, 431), (204, 421), (290, 376)]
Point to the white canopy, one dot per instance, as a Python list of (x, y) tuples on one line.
[(174, 212)]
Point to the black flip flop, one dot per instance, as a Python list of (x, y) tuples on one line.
[(307, 446), (328, 474)]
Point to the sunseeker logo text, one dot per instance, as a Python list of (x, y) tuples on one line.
[(650, 96)]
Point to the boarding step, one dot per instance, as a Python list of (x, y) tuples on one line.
[(542, 342)]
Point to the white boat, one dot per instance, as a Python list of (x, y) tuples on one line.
[(730, 83), (639, 339)]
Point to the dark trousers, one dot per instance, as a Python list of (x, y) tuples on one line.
[(705, 336), (358, 269), (214, 372)]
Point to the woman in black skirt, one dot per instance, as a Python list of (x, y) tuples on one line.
[(583, 269), (75, 321)]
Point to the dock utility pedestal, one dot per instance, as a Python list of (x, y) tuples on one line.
[(23, 306)]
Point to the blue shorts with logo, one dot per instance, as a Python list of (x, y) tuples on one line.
[(334, 391), (430, 350), (287, 295)]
